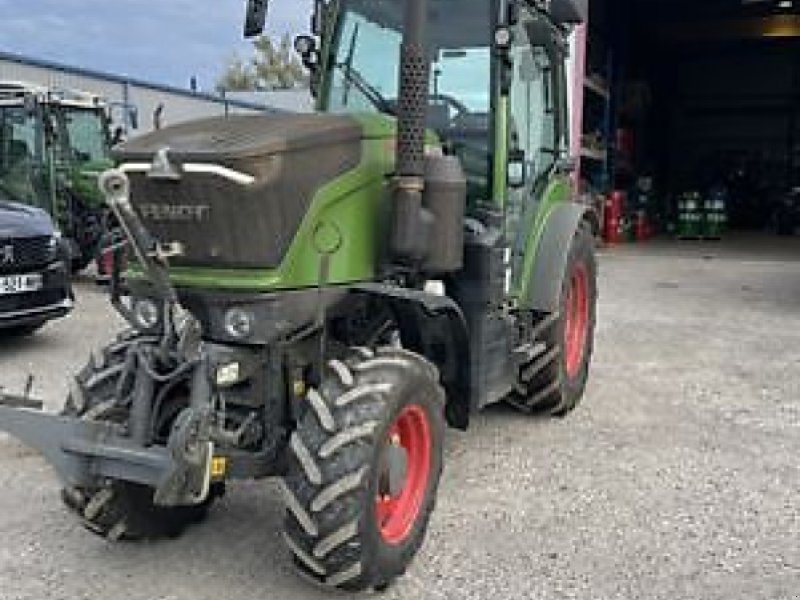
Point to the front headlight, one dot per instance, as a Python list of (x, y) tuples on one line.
[(239, 323), (146, 313), (52, 245)]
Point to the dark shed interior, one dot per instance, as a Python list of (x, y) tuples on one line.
[(704, 95)]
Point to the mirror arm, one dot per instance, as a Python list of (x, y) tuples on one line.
[(318, 17)]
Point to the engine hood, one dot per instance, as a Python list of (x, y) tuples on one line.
[(234, 190), (242, 137), (21, 221)]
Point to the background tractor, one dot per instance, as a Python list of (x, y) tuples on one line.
[(53, 146), (315, 297)]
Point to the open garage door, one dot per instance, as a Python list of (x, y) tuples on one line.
[(701, 129)]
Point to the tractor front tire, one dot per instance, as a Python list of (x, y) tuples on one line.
[(555, 380), (364, 471), (119, 510)]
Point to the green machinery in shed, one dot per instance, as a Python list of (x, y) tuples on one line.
[(53, 146), (315, 297)]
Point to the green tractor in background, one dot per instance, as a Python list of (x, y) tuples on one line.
[(53, 146), (316, 297)]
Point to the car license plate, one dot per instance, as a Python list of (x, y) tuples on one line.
[(20, 284)]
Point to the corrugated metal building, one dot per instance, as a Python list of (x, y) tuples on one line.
[(127, 96)]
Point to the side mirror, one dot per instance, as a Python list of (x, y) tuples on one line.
[(256, 17), (306, 47), (318, 17), (517, 169)]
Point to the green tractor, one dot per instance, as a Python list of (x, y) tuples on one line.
[(317, 297), (53, 146)]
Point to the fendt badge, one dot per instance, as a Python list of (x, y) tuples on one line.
[(175, 213), (7, 255)]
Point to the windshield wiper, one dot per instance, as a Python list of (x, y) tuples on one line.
[(351, 75)]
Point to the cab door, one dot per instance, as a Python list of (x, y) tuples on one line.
[(537, 127)]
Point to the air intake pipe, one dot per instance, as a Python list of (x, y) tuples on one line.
[(411, 224)]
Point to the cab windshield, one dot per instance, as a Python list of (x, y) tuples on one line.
[(20, 153), (85, 134), (364, 70)]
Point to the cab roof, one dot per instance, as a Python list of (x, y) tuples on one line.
[(14, 92)]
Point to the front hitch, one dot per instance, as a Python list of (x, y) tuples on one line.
[(80, 451), (83, 452)]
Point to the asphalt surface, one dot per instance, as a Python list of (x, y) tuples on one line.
[(677, 478)]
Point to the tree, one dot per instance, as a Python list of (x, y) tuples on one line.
[(273, 66), (238, 76)]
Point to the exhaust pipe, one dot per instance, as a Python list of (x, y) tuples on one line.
[(410, 224)]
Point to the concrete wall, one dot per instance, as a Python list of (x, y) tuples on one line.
[(296, 100)]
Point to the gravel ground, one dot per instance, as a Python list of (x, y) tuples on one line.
[(677, 478)]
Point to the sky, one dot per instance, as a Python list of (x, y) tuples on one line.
[(163, 41)]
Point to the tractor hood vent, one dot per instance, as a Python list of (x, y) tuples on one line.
[(223, 139), (234, 190)]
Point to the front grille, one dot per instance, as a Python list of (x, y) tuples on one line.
[(31, 300), (20, 254)]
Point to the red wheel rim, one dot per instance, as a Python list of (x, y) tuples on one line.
[(576, 321), (397, 514)]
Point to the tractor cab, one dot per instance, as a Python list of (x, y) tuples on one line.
[(361, 62), (497, 89), (474, 62)]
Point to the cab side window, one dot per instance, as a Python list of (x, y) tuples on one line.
[(533, 105)]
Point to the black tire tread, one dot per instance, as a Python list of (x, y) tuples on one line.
[(543, 387), (324, 491)]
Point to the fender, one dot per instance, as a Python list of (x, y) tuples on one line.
[(434, 327), (543, 292)]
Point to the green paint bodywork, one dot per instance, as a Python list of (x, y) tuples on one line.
[(558, 190), (355, 207), (501, 141), (353, 203)]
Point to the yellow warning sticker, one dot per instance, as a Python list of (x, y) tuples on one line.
[(219, 467)]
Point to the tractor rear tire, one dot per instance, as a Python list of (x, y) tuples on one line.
[(119, 510), (352, 522), (556, 378)]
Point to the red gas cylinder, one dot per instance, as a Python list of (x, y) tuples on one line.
[(109, 251), (613, 225)]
